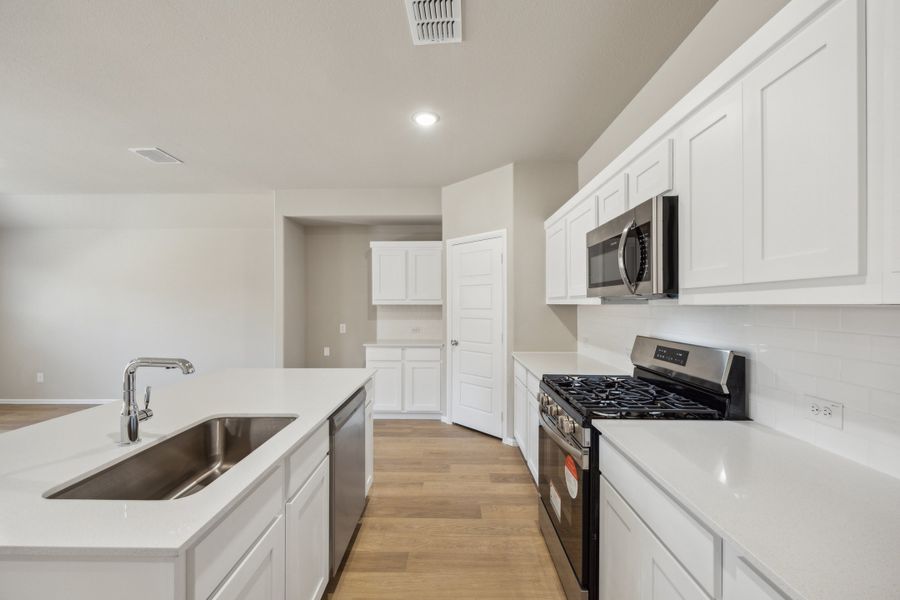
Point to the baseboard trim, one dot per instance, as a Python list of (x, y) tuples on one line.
[(511, 442), (409, 416), (59, 401), (446, 419)]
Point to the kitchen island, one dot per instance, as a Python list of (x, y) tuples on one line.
[(192, 547)]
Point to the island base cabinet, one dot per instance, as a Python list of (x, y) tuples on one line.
[(740, 581), (633, 562), (370, 445), (260, 574), (307, 554)]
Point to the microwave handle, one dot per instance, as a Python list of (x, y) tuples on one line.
[(632, 287)]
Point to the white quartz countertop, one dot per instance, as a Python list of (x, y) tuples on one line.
[(817, 525), (405, 343), (564, 363), (41, 457)]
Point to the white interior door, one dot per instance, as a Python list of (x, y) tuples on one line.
[(477, 315)]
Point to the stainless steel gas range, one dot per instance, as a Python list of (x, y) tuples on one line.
[(671, 380)]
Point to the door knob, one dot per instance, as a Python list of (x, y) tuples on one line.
[(454, 342)]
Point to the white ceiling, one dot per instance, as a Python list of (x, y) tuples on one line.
[(274, 94)]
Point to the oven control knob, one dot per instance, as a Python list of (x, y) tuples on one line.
[(566, 424), (554, 410)]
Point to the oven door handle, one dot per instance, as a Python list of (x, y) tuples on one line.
[(580, 456), (632, 287)]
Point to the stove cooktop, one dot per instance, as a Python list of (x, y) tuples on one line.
[(624, 397)]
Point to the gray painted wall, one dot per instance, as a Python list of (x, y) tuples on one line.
[(339, 288), (89, 282)]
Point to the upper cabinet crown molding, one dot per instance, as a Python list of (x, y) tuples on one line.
[(407, 272)]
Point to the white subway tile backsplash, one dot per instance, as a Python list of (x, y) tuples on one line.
[(849, 355)]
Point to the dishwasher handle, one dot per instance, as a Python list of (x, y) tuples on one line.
[(343, 414)]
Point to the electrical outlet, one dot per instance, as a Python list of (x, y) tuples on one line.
[(342, 328), (327, 351), (825, 412), (39, 378)]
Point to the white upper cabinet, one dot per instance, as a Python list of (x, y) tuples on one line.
[(407, 272), (612, 199), (424, 269), (711, 192), (804, 140), (651, 173), (557, 265), (581, 220)]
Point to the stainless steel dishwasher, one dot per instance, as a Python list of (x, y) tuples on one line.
[(348, 474)]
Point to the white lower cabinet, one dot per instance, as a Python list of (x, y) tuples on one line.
[(633, 562), (388, 389), (260, 573), (407, 379), (519, 415), (370, 444), (526, 416), (740, 581), (307, 553)]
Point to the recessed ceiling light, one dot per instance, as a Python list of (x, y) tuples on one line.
[(156, 155), (425, 118)]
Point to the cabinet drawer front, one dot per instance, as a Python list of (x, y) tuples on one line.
[(377, 353), (304, 459), (432, 354), (696, 548), (519, 370), (222, 548), (533, 383)]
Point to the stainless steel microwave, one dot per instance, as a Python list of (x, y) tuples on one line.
[(635, 255)]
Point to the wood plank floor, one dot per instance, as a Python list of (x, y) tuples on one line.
[(14, 416), (452, 514)]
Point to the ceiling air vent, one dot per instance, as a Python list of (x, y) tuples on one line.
[(435, 21), (156, 155)]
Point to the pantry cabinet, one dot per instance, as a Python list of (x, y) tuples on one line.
[(407, 380), (711, 195), (804, 148), (407, 272)]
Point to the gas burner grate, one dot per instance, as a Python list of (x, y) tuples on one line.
[(624, 397)]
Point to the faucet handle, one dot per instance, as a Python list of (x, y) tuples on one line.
[(147, 398)]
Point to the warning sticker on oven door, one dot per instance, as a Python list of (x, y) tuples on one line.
[(571, 474), (555, 502)]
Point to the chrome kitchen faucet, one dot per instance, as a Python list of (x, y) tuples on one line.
[(129, 420)]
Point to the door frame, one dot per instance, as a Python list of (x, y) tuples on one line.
[(504, 335)]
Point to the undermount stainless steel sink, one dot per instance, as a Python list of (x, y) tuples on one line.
[(180, 465)]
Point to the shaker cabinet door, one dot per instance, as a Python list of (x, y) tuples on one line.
[(388, 387), (422, 386), (388, 275), (260, 574), (710, 198), (424, 268), (307, 542), (804, 149), (557, 265), (579, 222)]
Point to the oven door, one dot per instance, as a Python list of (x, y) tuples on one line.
[(564, 486)]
